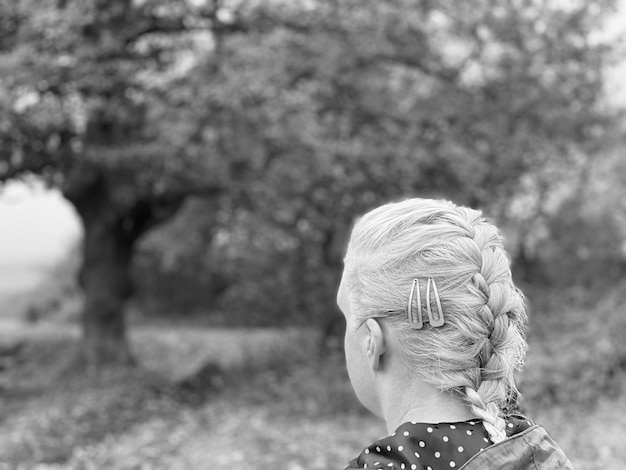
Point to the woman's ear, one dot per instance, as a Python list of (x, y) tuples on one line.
[(375, 343)]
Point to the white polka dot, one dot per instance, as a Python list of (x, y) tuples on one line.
[(469, 432), (485, 439), (452, 426), (510, 425), (445, 439), (394, 434), (390, 464), (452, 464), (377, 449), (367, 451), (400, 448), (413, 467), (406, 433), (437, 455), (429, 429), (417, 454), (365, 465), (460, 449), (481, 449), (388, 448), (472, 423), (422, 443), (413, 422), (429, 468), (376, 463), (402, 466)]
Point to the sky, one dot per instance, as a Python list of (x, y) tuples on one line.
[(37, 229)]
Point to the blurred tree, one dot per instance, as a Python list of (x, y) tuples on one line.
[(578, 240), (298, 115), (90, 102), (343, 105), (333, 107)]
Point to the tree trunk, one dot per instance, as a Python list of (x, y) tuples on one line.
[(111, 229), (105, 273), (526, 268), (105, 279), (333, 246)]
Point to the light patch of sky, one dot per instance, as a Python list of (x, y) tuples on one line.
[(37, 229)]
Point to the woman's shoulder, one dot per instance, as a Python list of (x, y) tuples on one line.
[(532, 448), (516, 424), (431, 445)]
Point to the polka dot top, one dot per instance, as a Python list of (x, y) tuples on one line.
[(426, 446)]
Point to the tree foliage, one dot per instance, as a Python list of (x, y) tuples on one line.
[(343, 105), (292, 117), (88, 106)]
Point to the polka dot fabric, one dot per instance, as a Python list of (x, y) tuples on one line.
[(426, 446)]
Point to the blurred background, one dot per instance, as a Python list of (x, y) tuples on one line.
[(177, 184)]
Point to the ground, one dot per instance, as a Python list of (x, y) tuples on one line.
[(268, 398)]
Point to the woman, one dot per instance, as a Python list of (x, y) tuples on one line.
[(435, 336)]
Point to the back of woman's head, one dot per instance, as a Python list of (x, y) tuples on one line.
[(482, 343)]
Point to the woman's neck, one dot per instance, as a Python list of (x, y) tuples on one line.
[(424, 405)]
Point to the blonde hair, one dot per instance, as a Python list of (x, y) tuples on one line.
[(482, 345)]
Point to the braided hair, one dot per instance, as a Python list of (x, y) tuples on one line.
[(481, 346)]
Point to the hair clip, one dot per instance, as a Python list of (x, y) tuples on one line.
[(416, 322), (416, 318), (435, 320)]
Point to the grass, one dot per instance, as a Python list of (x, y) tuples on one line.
[(276, 404), (271, 401)]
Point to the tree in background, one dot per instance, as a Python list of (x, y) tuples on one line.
[(294, 117), (343, 105), (91, 103)]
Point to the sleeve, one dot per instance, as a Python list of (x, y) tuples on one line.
[(352, 465)]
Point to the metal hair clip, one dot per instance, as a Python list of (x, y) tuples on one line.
[(416, 318), (418, 323), (435, 320)]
